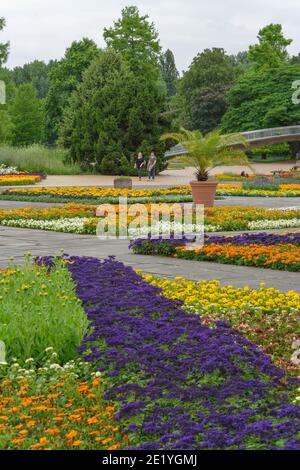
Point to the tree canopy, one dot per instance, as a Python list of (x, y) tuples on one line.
[(136, 39), (263, 99), (203, 89), (64, 79), (37, 73), (271, 51)]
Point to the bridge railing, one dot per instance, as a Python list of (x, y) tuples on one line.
[(251, 136), (274, 132)]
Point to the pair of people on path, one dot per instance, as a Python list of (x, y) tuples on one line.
[(151, 165)]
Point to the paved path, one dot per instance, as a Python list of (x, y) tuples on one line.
[(16, 242), (228, 201), (166, 178)]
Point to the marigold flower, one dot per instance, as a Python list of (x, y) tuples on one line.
[(71, 435)]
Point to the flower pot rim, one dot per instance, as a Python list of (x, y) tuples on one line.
[(208, 182)]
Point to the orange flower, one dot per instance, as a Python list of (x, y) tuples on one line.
[(52, 432), (19, 440), (42, 442), (53, 395), (76, 443), (71, 435), (13, 410), (107, 441), (96, 382), (93, 420), (30, 424)]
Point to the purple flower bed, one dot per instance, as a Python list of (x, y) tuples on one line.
[(263, 238), (180, 385)]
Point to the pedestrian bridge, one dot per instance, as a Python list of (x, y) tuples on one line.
[(259, 138)]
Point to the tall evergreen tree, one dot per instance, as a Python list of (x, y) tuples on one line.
[(112, 115), (64, 79), (27, 116), (169, 71)]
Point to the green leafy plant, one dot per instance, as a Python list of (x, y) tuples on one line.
[(39, 309), (209, 151)]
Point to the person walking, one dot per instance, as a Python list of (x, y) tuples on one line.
[(152, 166), (139, 164)]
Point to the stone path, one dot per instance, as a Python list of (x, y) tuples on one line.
[(15, 242)]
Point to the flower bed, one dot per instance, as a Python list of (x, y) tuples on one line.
[(181, 385), (238, 189), (285, 257), (19, 180), (100, 194), (260, 250), (56, 408), (76, 218), (266, 316), (154, 375)]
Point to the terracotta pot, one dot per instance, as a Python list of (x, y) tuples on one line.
[(204, 192)]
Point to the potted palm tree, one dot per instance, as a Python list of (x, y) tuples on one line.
[(207, 152)]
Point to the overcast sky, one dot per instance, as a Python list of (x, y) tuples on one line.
[(42, 29)]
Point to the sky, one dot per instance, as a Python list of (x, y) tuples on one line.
[(43, 29)]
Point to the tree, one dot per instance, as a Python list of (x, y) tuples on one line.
[(64, 79), (263, 99), (136, 39), (203, 89), (241, 60), (4, 47), (27, 116), (169, 72), (272, 48), (114, 113), (37, 73), (6, 127)]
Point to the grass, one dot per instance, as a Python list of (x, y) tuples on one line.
[(38, 158)]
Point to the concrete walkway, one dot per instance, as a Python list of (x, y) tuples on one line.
[(15, 242), (166, 178), (271, 202)]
